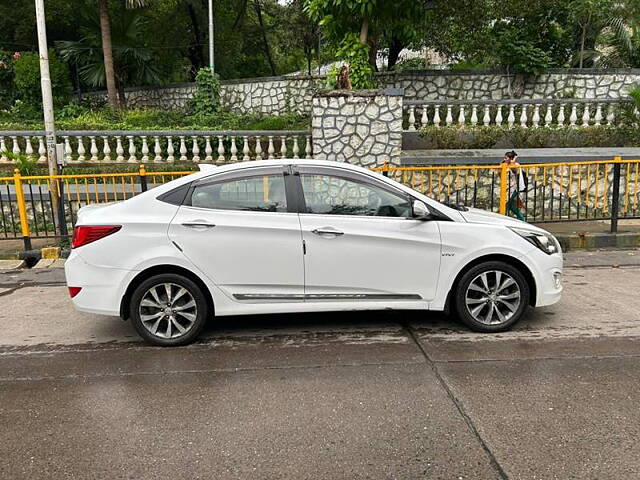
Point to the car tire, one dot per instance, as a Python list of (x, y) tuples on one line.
[(491, 297), (168, 310)]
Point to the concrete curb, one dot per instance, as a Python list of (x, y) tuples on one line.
[(11, 264), (581, 241), (50, 263)]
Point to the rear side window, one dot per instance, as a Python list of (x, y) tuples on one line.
[(176, 196), (262, 193)]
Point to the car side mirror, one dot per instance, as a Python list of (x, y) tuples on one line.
[(420, 210)]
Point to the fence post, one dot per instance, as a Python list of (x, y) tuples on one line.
[(615, 201), (385, 168), (62, 220), (22, 209), (143, 178), (504, 184)]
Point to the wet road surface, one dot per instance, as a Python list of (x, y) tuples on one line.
[(367, 395)]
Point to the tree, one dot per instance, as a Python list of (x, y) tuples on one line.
[(397, 21), (300, 31), (107, 52), (132, 62), (591, 17)]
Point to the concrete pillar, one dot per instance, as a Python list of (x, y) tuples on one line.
[(361, 127)]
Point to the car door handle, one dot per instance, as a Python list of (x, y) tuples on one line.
[(198, 224), (327, 231)]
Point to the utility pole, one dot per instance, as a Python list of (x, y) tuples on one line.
[(55, 187), (45, 82), (211, 62)]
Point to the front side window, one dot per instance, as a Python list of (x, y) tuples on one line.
[(262, 193), (332, 195)]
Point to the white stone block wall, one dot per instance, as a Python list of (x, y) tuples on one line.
[(364, 127), (278, 95)]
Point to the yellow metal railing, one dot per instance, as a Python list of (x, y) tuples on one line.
[(561, 191), (28, 204), (556, 191)]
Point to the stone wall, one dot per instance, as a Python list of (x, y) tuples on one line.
[(171, 97), (274, 95), (452, 85), (278, 95), (363, 127)]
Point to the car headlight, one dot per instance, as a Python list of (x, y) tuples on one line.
[(544, 241)]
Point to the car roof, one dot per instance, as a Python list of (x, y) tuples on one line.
[(209, 168)]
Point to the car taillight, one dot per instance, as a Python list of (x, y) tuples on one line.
[(84, 234), (73, 291)]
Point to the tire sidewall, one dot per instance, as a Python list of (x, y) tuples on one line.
[(195, 291), (467, 278)]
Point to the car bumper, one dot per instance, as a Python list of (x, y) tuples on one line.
[(547, 273), (102, 288)]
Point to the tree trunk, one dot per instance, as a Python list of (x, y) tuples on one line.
[(194, 52), (395, 48), (107, 52), (364, 30), (584, 28), (121, 94), (267, 49)]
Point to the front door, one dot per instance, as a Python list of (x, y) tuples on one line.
[(361, 243), (240, 231)]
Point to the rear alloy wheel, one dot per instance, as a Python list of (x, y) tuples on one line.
[(491, 297), (168, 310)]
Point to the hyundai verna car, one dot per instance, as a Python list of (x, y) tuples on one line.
[(282, 236)]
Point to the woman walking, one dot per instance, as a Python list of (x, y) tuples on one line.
[(517, 184)]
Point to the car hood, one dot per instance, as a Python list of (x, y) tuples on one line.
[(476, 215)]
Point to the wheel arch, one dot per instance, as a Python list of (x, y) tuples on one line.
[(514, 262), (157, 270)]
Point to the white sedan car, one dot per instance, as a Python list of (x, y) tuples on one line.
[(302, 236)]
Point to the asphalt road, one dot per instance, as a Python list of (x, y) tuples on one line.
[(371, 395)]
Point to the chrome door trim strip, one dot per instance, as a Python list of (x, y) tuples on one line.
[(326, 296)]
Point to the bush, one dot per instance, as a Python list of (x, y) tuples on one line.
[(27, 79), (356, 54), (7, 83), (78, 117), (443, 138), (416, 63), (206, 100)]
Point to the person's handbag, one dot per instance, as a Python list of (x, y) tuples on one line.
[(523, 181)]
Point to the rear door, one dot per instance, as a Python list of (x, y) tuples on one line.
[(361, 240), (241, 230)]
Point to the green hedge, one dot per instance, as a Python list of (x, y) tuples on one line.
[(442, 138), (78, 117)]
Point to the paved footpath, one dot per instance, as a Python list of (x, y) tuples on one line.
[(371, 395)]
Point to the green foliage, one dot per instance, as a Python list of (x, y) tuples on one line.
[(356, 55), (206, 100), (521, 56), (634, 93), (417, 63), (332, 77), (469, 64), (517, 137), (27, 79), (77, 117), (7, 84), (25, 164), (133, 62)]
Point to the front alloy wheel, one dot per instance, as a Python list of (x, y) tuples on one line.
[(168, 310), (492, 296)]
